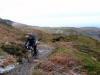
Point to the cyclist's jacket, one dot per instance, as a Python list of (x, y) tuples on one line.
[(31, 42)]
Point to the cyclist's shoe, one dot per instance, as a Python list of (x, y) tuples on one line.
[(35, 56)]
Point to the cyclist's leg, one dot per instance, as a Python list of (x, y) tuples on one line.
[(35, 50)]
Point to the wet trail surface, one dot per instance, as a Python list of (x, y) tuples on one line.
[(26, 68)]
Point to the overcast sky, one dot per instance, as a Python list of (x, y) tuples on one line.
[(52, 12)]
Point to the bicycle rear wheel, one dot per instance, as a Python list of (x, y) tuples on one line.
[(29, 58)]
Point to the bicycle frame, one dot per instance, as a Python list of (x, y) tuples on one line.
[(30, 53)]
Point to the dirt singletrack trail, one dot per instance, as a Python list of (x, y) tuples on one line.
[(26, 68)]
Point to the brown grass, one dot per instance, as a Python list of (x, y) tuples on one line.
[(59, 62), (7, 61)]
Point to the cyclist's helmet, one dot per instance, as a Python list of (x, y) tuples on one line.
[(30, 35)]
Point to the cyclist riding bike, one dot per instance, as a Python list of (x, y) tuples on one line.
[(31, 42)]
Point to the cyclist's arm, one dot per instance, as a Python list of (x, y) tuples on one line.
[(26, 43)]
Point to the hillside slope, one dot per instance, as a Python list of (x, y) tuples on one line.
[(8, 33), (73, 53), (90, 32), (86, 49)]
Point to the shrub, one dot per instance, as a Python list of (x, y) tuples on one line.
[(65, 38), (14, 49)]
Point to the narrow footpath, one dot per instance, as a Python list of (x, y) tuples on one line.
[(26, 68)]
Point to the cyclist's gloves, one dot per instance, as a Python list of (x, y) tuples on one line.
[(26, 46)]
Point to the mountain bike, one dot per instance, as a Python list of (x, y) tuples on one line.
[(30, 54)]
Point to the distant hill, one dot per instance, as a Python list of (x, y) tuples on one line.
[(90, 27), (87, 31), (93, 32), (7, 32), (9, 22)]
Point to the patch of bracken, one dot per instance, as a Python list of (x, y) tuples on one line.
[(61, 62)]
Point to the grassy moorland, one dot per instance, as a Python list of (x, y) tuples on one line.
[(87, 31), (85, 49), (9, 41)]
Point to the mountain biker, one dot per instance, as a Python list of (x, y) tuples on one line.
[(31, 41)]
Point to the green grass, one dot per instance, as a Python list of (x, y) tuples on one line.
[(91, 65), (82, 43), (57, 50), (2, 53)]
